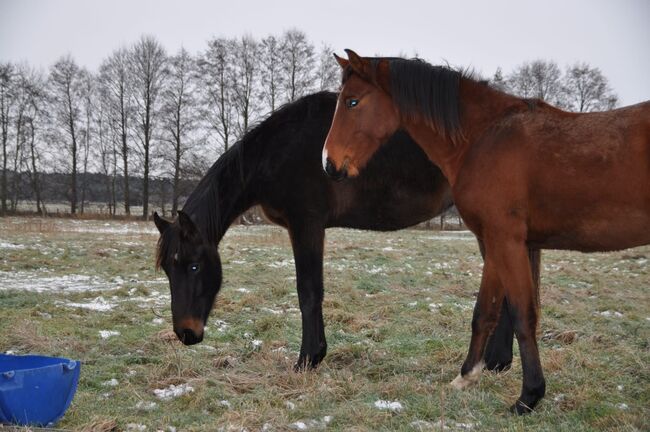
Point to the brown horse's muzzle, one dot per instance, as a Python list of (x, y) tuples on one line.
[(336, 174), (189, 331)]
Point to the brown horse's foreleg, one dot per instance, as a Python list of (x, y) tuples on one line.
[(486, 314), (515, 273), (498, 352), (307, 239)]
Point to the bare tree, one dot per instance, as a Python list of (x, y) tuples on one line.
[(328, 75), (65, 84), (6, 104), (36, 117), (216, 86), (538, 79), (108, 139), (89, 96), (116, 92), (147, 65), (243, 82), (297, 64), (586, 89), (178, 117), (271, 78)]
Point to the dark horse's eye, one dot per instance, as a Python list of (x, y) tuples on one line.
[(351, 103), (194, 268)]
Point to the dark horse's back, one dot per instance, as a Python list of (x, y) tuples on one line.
[(399, 187)]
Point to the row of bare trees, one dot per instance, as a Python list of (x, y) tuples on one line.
[(146, 114), (580, 88)]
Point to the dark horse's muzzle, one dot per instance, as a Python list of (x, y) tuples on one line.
[(190, 331), (335, 174)]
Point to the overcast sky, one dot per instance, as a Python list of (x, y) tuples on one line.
[(612, 35)]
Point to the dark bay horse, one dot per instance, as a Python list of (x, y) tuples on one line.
[(278, 166), (523, 175)]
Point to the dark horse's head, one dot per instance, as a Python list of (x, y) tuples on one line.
[(193, 267)]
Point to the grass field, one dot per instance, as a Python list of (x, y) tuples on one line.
[(397, 310)]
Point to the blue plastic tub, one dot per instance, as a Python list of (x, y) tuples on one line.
[(36, 390)]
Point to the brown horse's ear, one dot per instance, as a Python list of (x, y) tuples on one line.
[(359, 65), (188, 229), (341, 61), (161, 224)]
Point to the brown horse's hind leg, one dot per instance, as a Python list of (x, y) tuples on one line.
[(486, 315)]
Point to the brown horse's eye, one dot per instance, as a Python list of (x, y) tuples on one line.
[(351, 103)]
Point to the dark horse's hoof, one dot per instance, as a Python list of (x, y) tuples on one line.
[(308, 362), (520, 408), (498, 365)]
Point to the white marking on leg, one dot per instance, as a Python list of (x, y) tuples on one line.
[(471, 378), (324, 158)]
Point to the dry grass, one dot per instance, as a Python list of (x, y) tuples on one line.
[(397, 311)]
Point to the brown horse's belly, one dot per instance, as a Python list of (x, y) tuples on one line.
[(591, 235)]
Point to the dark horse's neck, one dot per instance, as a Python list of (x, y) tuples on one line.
[(225, 192)]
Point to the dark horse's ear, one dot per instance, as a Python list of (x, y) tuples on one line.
[(359, 65), (161, 224), (341, 61), (188, 229)]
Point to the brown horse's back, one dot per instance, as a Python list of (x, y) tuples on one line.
[(562, 167)]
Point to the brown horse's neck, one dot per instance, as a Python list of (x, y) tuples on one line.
[(480, 107)]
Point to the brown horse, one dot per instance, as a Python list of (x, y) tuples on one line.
[(523, 174)]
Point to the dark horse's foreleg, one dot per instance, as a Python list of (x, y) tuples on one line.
[(498, 352), (307, 240)]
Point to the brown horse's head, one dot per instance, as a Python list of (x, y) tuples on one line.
[(193, 268), (365, 116)]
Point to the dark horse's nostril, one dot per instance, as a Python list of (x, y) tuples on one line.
[(335, 174), (188, 337)]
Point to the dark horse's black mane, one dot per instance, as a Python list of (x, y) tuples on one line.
[(234, 170), (421, 90)]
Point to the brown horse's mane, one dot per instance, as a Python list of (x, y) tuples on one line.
[(423, 91)]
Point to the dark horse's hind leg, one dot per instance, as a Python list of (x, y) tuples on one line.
[(307, 240), (498, 351)]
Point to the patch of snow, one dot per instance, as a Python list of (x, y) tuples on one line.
[(256, 343), (282, 264), (136, 427), (272, 311), (412, 304), (609, 313), (111, 383), (622, 406), (5, 245), (158, 321), (97, 304), (36, 281), (225, 403), (105, 334), (394, 406), (290, 405), (243, 290), (311, 424), (173, 391), (146, 406)]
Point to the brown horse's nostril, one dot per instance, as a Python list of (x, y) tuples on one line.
[(335, 174), (188, 337)]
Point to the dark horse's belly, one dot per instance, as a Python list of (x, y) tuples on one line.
[(399, 188)]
